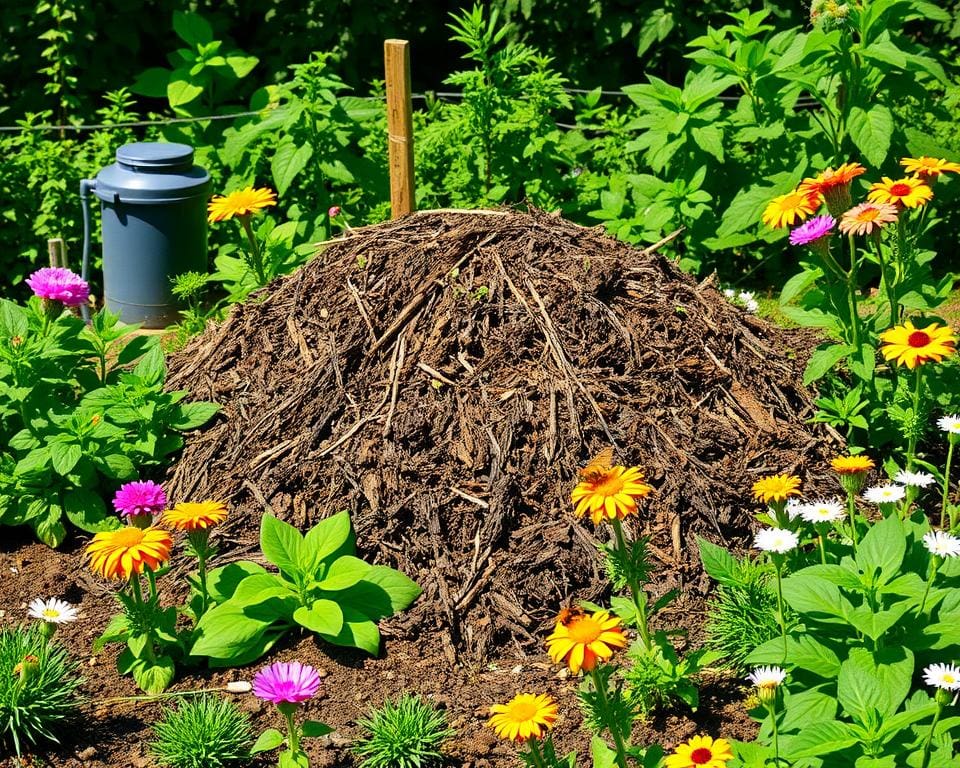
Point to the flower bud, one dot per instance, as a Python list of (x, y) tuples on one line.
[(333, 211), (239, 686)]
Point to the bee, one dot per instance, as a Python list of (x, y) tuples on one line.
[(598, 466), (569, 613)]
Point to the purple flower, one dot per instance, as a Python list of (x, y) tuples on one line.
[(59, 284), (817, 227), (140, 498), (333, 211), (286, 681)]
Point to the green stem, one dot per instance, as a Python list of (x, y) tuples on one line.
[(852, 511), (780, 612), (915, 429), (929, 742), (152, 582), (776, 734), (293, 736), (202, 578), (888, 285), (614, 728), (535, 754), (256, 259), (934, 565), (639, 597), (946, 486), (823, 547), (852, 293)]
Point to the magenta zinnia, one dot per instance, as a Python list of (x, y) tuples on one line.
[(286, 681), (140, 498), (59, 284), (813, 230)]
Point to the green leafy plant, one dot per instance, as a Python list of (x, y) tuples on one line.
[(655, 677), (202, 732), (320, 586), (406, 733), (38, 687)]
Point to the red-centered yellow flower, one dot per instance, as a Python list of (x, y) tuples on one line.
[(525, 716), (701, 752), (776, 488), (788, 209), (243, 202), (866, 218), (119, 554), (610, 493), (909, 192), (911, 346), (580, 639), (190, 516), (829, 179), (852, 465), (928, 167)]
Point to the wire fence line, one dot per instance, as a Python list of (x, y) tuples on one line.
[(85, 127)]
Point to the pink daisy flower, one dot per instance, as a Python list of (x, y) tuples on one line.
[(59, 284), (286, 681), (812, 230), (140, 498)]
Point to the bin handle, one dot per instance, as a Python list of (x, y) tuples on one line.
[(86, 187)]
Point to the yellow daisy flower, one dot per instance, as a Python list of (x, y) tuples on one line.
[(243, 202), (788, 209), (911, 346), (909, 192), (928, 167), (189, 516), (609, 492), (580, 639), (525, 716), (701, 752), (119, 554), (776, 488)]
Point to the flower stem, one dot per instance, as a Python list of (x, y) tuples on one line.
[(934, 565), (639, 597), (776, 733), (946, 487), (293, 735), (852, 294), (535, 754), (614, 728), (823, 547), (929, 742), (852, 510), (888, 285), (780, 611), (256, 259), (915, 428)]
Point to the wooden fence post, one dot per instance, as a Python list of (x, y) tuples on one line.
[(396, 60), (57, 251)]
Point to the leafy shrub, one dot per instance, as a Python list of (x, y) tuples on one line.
[(38, 684), (202, 732), (407, 733), (321, 586)]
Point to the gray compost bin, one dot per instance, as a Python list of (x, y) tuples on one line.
[(153, 205)]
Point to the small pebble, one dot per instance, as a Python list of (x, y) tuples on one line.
[(517, 669), (86, 754)]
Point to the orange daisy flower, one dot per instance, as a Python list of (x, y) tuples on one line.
[(912, 346), (788, 209), (609, 492), (867, 218), (126, 551), (851, 465), (928, 167), (909, 192), (526, 716), (833, 186), (189, 516), (581, 639)]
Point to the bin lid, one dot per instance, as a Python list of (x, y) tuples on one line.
[(152, 173)]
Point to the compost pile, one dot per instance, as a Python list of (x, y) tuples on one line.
[(444, 376)]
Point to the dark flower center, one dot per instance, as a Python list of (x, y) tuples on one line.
[(900, 190), (701, 756), (918, 339)]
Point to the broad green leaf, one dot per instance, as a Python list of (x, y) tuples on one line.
[(313, 729), (874, 623), (881, 551), (49, 528), (281, 544), (710, 139), (193, 415), (814, 596), (152, 83), (223, 582), (818, 739), (258, 588), (878, 681), (36, 461), (343, 573), (181, 92), (86, 510), (381, 593), (803, 651), (192, 28), (719, 564), (807, 706), (156, 677), (116, 632), (357, 632), (64, 457), (323, 617), (823, 360), (287, 162), (269, 739), (227, 632), (871, 131), (332, 537)]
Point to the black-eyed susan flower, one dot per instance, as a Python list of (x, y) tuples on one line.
[(700, 752), (127, 551), (526, 716), (776, 488), (908, 192), (582, 639), (912, 346), (243, 202)]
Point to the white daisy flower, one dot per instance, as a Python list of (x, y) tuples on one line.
[(950, 424), (748, 301), (52, 611), (777, 540), (941, 543), (917, 479), (823, 511), (767, 677), (794, 508), (885, 494), (729, 293), (945, 676)]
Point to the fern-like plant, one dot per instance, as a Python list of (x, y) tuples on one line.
[(204, 732), (407, 733)]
